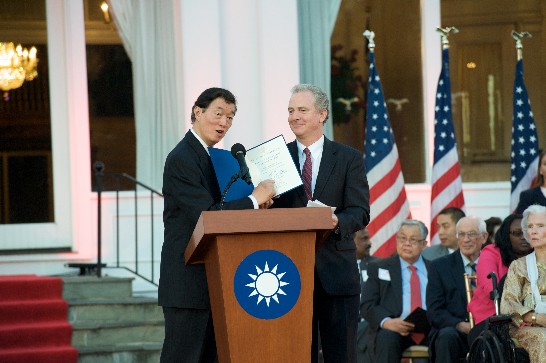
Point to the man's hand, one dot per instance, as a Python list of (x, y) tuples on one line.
[(399, 326), (267, 204), (463, 327), (264, 192), (335, 221)]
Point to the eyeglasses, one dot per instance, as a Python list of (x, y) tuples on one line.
[(471, 235), (412, 241), (518, 233)]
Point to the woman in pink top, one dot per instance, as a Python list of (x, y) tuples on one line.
[(509, 245)]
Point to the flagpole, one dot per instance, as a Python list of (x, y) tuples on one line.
[(445, 33), (525, 147), (389, 204), (446, 188), (519, 46)]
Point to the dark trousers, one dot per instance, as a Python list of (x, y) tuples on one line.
[(449, 345), (476, 331), (336, 317), (189, 336), (390, 345)]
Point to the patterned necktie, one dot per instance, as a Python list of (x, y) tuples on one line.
[(307, 173), (415, 296)]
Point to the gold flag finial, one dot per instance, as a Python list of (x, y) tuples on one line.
[(370, 35), (518, 37), (444, 32)]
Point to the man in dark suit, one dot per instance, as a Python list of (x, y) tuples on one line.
[(363, 245), (446, 294), (190, 187), (387, 297), (336, 177)]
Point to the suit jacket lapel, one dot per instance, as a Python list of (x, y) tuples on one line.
[(327, 164), (458, 270), (205, 163), (396, 281), (293, 148)]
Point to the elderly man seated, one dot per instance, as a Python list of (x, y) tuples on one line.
[(396, 286), (446, 293)]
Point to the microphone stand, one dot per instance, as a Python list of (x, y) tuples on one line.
[(234, 178)]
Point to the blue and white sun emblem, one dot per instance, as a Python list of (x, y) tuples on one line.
[(267, 284), (264, 292)]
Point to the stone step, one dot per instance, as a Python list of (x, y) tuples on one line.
[(114, 310), (92, 287), (121, 353), (91, 334)]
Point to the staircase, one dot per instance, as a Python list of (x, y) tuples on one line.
[(109, 324), (33, 326)]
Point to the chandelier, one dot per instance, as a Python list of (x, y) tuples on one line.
[(17, 65)]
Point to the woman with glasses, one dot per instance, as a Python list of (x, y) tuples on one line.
[(524, 296), (510, 245)]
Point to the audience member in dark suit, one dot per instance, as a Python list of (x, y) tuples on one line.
[(537, 194), (446, 294), (446, 221), (387, 296), (363, 245), (190, 187), (336, 177)]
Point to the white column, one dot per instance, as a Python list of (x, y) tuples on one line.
[(239, 44), (432, 65), (279, 64), (70, 123), (200, 49), (260, 64)]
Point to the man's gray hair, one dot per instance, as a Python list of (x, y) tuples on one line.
[(320, 97), (415, 222), (482, 227), (533, 209)]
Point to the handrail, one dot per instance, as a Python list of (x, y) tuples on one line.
[(118, 177)]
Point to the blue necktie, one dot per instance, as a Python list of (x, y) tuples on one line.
[(473, 274)]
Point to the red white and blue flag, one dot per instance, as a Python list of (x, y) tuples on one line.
[(525, 151), (447, 189), (388, 202)]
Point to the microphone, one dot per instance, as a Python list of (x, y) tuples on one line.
[(238, 151)]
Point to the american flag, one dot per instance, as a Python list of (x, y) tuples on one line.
[(447, 189), (388, 202), (524, 156)]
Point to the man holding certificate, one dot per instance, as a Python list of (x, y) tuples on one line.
[(332, 174), (190, 187)]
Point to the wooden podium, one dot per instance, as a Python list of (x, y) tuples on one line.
[(222, 240)]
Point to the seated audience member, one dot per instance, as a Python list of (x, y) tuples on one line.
[(525, 288), (446, 294), (492, 225), (510, 245), (396, 286), (363, 245), (446, 221), (537, 194)]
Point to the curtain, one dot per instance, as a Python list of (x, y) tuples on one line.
[(316, 20), (149, 35)]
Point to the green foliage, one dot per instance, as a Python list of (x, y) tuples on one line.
[(346, 85)]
